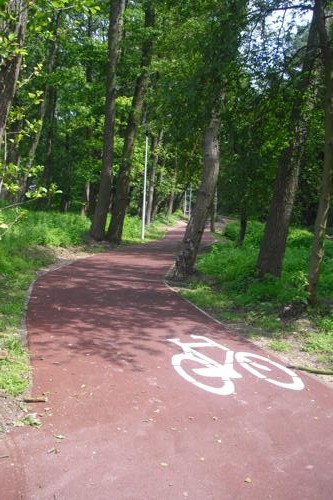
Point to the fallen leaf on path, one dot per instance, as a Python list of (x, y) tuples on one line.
[(59, 436), (53, 450), (248, 480), (39, 399), (164, 464), (30, 419), (18, 423)]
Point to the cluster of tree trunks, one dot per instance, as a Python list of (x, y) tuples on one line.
[(97, 230), (120, 204)]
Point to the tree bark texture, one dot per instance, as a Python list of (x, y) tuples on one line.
[(213, 212), (121, 198), (273, 245), (185, 261), (49, 119), (243, 222), (327, 177), (171, 199), (88, 131), (157, 197), (157, 141), (97, 229), (10, 66)]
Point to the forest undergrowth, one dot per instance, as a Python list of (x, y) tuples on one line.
[(271, 312)]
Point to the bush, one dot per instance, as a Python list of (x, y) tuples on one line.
[(253, 236), (235, 268)]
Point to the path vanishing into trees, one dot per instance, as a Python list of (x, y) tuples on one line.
[(129, 416)]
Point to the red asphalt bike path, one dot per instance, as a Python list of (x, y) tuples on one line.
[(121, 423)]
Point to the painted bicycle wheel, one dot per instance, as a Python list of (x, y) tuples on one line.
[(261, 367)]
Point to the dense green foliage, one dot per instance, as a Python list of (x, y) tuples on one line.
[(195, 48)]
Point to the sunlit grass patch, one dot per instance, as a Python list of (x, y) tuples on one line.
[(279, 345), (238, 296)]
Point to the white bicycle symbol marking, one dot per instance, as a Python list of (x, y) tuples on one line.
[(212, 369)]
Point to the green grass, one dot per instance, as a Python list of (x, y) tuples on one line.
[(132, 228), (279, 345), (26, 245), (25, 248), (234, 293)]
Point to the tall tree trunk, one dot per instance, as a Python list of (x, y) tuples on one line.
[(47, 110), (213, 212), (185, 261), (85, 199), (49, 121), (170, 203), (123, 184), (93, 191), (97, 229), (273, 245), (243, 222), (171, 198), (152, 177), (16, 23), (88, 131), (327, 178), (157, 197)]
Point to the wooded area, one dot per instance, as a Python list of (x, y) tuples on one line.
[(235, 97)]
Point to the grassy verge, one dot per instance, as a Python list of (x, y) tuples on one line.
[(27, 244), (273, 308)]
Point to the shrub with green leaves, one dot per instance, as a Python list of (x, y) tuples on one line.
[(253, 236)]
